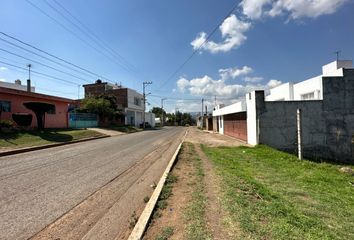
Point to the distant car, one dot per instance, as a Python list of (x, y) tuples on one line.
[(147, 125)]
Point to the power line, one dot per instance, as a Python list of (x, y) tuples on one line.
[(67, 29), (46, 58), (38, 73), (86, 34), (200, 46), (95, 35), (45, 65), (51, 55)]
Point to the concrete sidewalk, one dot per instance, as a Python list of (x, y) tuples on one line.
[(107, 131)]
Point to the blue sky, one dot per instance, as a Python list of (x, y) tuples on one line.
[(263, 43)]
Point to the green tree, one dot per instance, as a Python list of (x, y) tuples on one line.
[(104, 106)]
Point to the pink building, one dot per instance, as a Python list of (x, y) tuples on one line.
[(12, 101)]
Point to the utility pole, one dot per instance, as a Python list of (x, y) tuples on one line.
[(144, 99), (163, 115), (202, 112)]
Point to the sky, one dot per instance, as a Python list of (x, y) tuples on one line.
[(189, 50)]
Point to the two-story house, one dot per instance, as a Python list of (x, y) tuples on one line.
[(129, 100)]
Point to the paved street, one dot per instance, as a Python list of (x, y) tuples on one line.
[(82, 191)]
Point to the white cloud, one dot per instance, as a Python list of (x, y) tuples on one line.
[(2, 80), (253, 79), (255, 9), (232, 31), (3, 68), (273, 83), (234, 72)]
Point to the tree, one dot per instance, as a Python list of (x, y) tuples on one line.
[(104, 106), (39, 109), (159, 112)]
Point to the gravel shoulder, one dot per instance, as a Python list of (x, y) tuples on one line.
[(183, 207)]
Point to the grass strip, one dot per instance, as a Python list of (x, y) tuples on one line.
[(19, 139), (195, 212), (273, 195)]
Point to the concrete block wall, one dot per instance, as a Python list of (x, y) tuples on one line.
[(327, 125)]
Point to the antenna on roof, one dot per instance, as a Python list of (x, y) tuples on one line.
[(337, 53)]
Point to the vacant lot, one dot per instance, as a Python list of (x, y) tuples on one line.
[(35, 138), (253, 193)]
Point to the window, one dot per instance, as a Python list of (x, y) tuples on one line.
[(137, 101), (5, 106), (308, 96), (52, 111)]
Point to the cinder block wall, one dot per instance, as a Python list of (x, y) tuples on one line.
[(327, 125)]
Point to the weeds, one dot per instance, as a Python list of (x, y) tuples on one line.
[(195, 211), (167, 232)]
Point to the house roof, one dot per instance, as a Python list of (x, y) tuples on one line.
[(35, 95)]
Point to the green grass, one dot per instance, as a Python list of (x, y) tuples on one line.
[(167, 232), (36, 138), (273, 195), (125, 129), (195, 211)]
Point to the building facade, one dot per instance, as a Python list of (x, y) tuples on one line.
[(12, 100), (128, 100)]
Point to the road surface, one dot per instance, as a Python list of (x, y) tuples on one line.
[(90, 190)]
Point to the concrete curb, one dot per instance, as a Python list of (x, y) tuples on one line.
[(29, 149), (140, 226)]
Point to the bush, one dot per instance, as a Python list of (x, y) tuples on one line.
[(6, 124)]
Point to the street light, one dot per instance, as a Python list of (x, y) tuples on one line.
[(144, 98)]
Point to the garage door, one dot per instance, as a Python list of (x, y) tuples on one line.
[(235, 125)]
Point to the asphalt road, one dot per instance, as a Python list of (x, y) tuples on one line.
[(82, 191)]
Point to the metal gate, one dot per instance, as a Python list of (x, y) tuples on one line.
[(235, 125), (83, 120)]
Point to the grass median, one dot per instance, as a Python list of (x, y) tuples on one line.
[(273, 195), (21, 139)]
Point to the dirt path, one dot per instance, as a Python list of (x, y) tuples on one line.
[(173, 217)]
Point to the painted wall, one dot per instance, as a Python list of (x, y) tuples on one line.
[(131, 102), (283, 92), (313, 85), (57, 120)]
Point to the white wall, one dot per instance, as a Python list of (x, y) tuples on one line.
[(331, 68), (150, 118), (252, 131), (289, 91), (221, 125), (233, 108), (282, 92), (131, 95), (308, 86)]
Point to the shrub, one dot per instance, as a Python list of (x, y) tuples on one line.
[(6, 124)]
